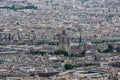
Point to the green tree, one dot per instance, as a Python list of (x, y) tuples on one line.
[(40, 42), (1, 30), (110, 48), (23, 43), (38, 52), (59, 52), (90, 64), (68, 66), (53, 43), (2, 43), (118, 49), (83, 53)]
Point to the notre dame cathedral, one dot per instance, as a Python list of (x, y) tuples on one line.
[(73, 45)]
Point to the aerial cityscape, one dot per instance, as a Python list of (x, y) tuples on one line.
[(59, 39)]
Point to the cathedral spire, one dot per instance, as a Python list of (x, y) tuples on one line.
[(80, 39), (63, 32)]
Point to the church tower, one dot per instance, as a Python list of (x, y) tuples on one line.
[(64, 41)]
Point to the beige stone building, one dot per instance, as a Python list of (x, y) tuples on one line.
[(73, 45)]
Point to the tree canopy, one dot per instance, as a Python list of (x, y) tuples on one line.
[(110, 49), (38, 52), (69, 66), (59, 52)]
